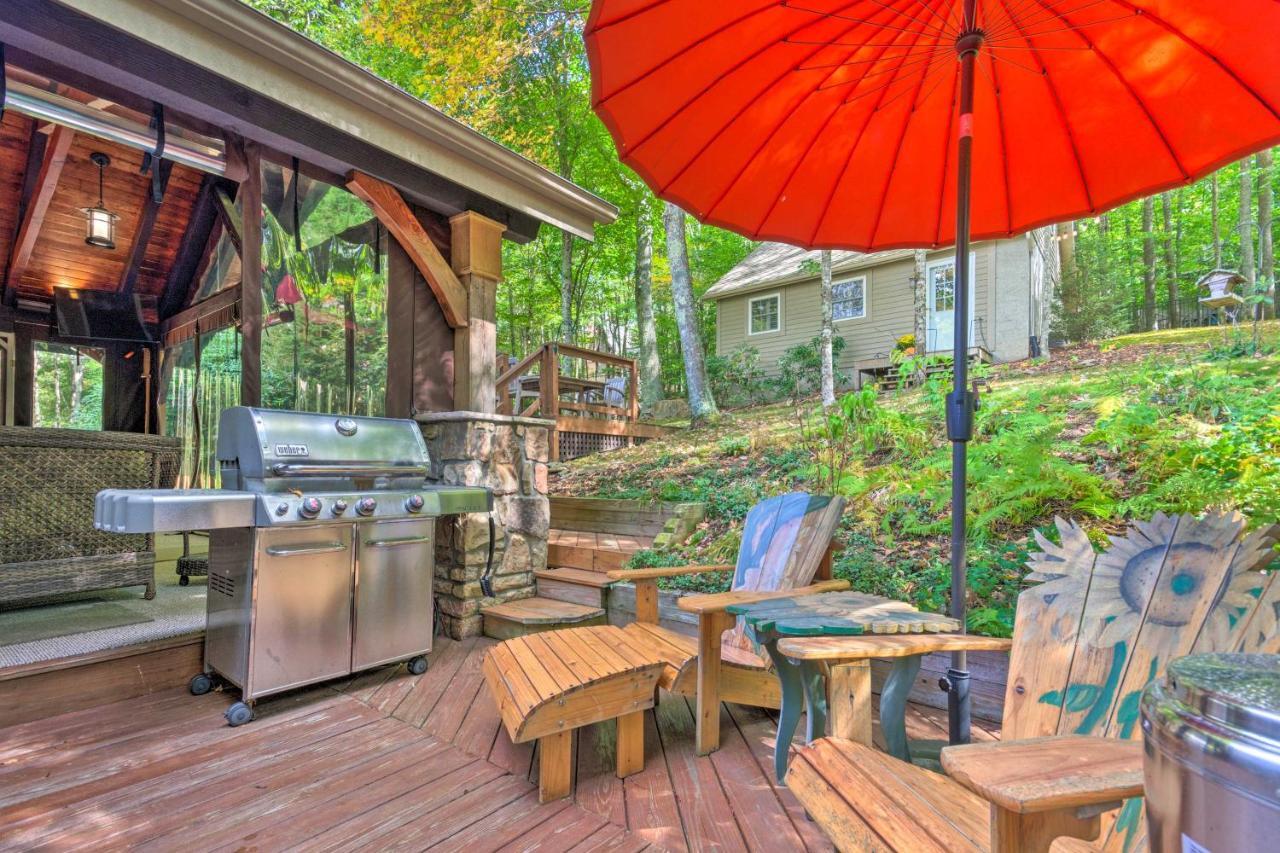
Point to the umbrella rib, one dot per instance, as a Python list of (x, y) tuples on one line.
[(1037, 19), (707, 37), (634, 13), (786, 4), (831, 194), (1137, 99), (1066, 125), (799, 160), (711, 140), (946, 160), (690, 101), (1004, 147), (1194, 45)]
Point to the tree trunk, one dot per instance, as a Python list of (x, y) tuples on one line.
[(1213, 217), (1148, 263), (647, 327), (1066, 233), (920, 300), (1245, 226), (1170, 262), (566, 287), (828, 367), (702, 406), (1266, 244), (77, 386)]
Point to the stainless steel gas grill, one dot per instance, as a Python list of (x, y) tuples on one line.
[(321, 547)]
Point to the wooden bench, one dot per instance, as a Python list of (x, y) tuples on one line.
[(548, 684)]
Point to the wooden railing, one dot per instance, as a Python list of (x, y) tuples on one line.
[(579, 404)]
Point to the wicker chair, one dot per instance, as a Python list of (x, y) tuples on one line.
[(48, 480)]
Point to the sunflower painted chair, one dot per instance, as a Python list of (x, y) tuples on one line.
[(1093, 632)]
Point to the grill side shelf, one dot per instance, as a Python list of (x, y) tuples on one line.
[(171, 510)]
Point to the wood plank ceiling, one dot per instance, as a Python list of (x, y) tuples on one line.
[(60, 257)]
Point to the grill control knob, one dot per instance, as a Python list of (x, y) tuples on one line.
[(310, 507), (414, 503), (339, 506), (282, 508), (366, 506)]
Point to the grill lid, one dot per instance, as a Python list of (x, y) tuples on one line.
[(258, 449)]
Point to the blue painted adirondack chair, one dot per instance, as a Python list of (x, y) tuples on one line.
[(1092, 633), (786, 542)]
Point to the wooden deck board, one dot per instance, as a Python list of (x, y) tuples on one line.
[(387, 759)]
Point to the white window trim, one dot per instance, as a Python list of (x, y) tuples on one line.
[(776, 295), (866, 298)]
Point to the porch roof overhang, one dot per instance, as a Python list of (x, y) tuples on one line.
[(226, 64)]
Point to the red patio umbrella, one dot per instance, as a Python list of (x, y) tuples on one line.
[(860, 124)]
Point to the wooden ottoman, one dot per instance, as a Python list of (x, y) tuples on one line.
[(550, 683)]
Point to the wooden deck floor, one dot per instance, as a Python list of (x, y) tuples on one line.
[(386, 760)]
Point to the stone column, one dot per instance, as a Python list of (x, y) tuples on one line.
[(508, 455)]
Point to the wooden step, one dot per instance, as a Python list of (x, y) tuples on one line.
[(530, 615), (574, 585)]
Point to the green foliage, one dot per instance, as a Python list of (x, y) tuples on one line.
[(648, 558), (738, 378), (734, 445), (800, 368)]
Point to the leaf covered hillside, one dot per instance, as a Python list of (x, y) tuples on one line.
[(1175, 423)]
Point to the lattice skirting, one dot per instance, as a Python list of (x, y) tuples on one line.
[(575, 444)]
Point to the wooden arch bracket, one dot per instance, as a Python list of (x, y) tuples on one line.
[(390, 208)]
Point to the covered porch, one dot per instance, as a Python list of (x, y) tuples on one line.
[(201, 208)]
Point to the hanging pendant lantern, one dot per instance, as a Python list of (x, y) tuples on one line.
[(100, 222)]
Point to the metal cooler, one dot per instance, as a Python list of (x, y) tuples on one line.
[(1211, 729)]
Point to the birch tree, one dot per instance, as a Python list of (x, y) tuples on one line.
[(1148, 263), (647, 329), (828, 366), (920, 297), (1170, 260), (1266, 245), (702, 407)]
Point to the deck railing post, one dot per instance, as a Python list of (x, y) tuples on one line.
[(550, 383)]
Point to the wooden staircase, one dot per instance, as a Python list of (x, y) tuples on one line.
[(589, 538)]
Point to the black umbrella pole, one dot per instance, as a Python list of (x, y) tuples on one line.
[(961, 402)]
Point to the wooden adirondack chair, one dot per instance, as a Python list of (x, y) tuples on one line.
[(1088, 638), (786, 542)]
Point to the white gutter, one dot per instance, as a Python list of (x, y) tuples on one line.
[(238, 43)]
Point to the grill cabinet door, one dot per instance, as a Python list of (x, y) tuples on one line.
[(394, 564), (302, 607)]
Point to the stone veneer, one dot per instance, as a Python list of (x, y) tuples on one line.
[(508, 455)]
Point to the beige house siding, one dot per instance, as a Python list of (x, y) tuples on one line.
[(1001, 275)]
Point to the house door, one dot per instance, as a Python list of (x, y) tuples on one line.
[(941, 278)]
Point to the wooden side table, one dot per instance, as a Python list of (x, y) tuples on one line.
[(839, 614)]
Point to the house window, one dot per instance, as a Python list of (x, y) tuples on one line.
[(765, 314), (849, 299)]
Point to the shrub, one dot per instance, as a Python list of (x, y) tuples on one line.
[(800, 368), (737, 378)]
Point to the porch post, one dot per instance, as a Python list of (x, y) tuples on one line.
[(476, 258), (251, 278), (24, 376)]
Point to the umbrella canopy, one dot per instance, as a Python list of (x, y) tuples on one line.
[(830, 123), (879, 124)]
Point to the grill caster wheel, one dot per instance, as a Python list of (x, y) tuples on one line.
[(239, 714), (184, 580), (418, 665), (200, 684)]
